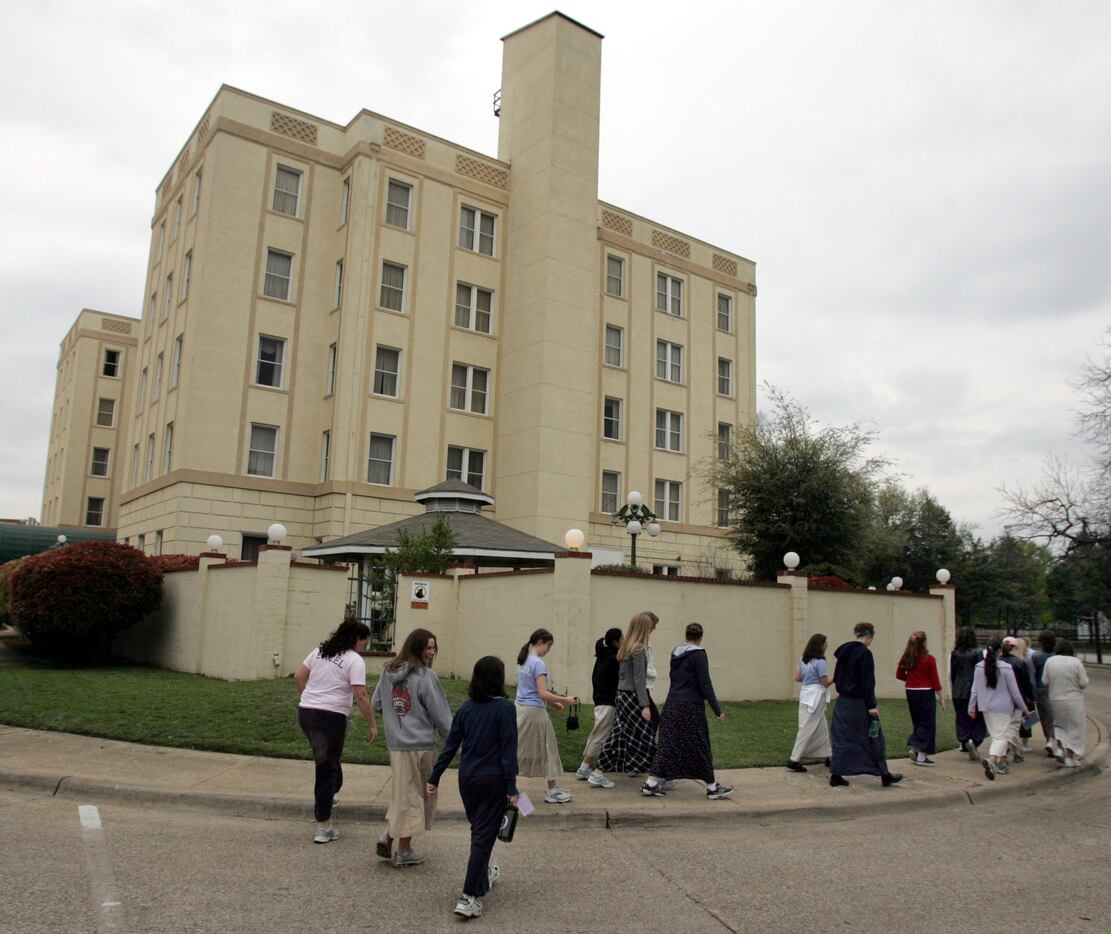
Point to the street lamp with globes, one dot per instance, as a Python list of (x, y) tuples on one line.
[(637, 518)]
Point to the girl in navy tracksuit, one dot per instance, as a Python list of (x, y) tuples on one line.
[(486, 727)]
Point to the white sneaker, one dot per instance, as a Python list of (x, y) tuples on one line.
[(583, 772), (598, 780), (1070, 762), (493, 873), (468, 906), (556, 796), (669, 783), (326, 835)]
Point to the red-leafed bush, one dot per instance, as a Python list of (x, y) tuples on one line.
[(176, 562), (828, 582), (73, 600)]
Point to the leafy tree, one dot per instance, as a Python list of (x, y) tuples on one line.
[(428, 552), (911, 535), (795, 486)]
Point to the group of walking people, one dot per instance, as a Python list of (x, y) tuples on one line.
[(1000, 691)]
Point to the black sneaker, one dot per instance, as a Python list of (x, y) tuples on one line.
[(836, 781), (652, 791), (721, 791), (795, 766), (891, 778)]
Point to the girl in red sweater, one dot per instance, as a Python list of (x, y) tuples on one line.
[(918, 668)]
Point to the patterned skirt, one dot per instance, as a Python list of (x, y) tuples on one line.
[(631, 746), (684, 750)]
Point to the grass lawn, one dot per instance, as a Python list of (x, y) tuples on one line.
[(166, 708)]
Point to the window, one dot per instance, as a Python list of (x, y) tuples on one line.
[(177, 221), (398, 196), (142, 546), (387, 366), (134, 465), (156, 386), (339, 283), (669, 430), (330, 379), (476, 230), (668, 494), (380, 463), (725, 376), (168, 448), (105, 413), (94, 510), (468, 388), (186, 269), (287, 191), (99, 466), (611, 419), (473, 307), (141, 398), (669, 361), (175, 370), (615, 276), (264, 446), (725, 313), (168, 297), (271, 354), (725, 440), (610, 484), (279, 275), (150, 458), (158, 542), (345, 201), (153, 307), (466, 465), (393, 287), (669, 294), (325, 454), (665, 570), (614, 340), (723, 509), (111, 364), (161, 241), (196, 193), (250, 545)]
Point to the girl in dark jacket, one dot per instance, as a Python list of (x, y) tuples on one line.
[(604, 681), (684, 748), (962, 667)]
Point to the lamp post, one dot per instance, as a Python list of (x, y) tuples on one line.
[(637, 518)]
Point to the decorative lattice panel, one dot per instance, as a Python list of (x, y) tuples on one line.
[(292, 127), (482, 171), (202, 130), (183, 164), (673, 245), (725, 264), (116, 327), (618, 222), (404, 142)]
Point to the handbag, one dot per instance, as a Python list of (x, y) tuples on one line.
[(1030, 721), (508, 823), (572, 718)]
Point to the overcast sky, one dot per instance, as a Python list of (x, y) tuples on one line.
[(925, 188)]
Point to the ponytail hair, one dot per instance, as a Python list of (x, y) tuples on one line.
[(346, 635), (991, 666), (539, 635), (915, 650)]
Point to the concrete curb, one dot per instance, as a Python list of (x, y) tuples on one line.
[(59, 784)]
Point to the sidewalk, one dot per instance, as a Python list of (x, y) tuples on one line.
[(88, 768)]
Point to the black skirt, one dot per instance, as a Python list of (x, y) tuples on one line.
[(684, 749), (854, 751), (923, 714), (631, 746)]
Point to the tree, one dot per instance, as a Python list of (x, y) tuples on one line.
[(795, 486), (75, 599), (428, 552)]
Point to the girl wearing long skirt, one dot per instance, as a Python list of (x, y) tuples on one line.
[(486, 727), (631, 746), (1066, 679), (918, 668), (962, 667), (537, 749), (414, 709), (995, 695), (812, 739), (684, 747), (1047, 645)]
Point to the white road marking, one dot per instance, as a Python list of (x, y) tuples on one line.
[(102, 882)]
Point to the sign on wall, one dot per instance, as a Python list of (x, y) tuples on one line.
[(419, 598)]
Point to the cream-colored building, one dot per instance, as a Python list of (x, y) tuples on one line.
[(339, 315), (88, 426)]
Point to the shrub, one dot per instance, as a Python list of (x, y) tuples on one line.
[(6, 571), (624, 569), (73, 600), (176, 562), (828, 582)]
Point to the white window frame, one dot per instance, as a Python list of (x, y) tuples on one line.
[(619, 278), (345, 201), (615, 492), (161, 251), (611, 416), (465, 471), (158, 542), (325, 453), (398, 214), (176, 229), (382, 375), (258, 453), (156, 383), (142, 542), (669, 294), (469, 311), (186, 271), (175, 367), (149, 472), (141, 396), (168, 297), (100, 412), (89, 500), (371, 461), (104, 463), (279, 201), (471, 395), (668, 500), (278, 363), (725, 377), (152, 309), (116, 363), (338, 295), (168, 448), (271, 280), (721, 518), (612, 349), (383, 287), (725, 301), (330, 378), (134, 465), (196, 203), (471, 238), (669, 431), (669, 358), (725, 440)]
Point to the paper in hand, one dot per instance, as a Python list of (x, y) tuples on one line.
[(525, 806)]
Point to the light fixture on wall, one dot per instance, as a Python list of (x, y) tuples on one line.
[(61, 540), (943, 576), (637, 518), (215, 543), (574, 539), (890, 586), (791, 560), (276, 534), (896, 583)]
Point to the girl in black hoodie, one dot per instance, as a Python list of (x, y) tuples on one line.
[(604, 680)]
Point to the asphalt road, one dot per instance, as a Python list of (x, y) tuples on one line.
[(1038, 861)]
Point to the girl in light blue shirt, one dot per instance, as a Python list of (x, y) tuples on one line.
[(537, 749)]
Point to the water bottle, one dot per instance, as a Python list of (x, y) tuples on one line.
[(874, 728)]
